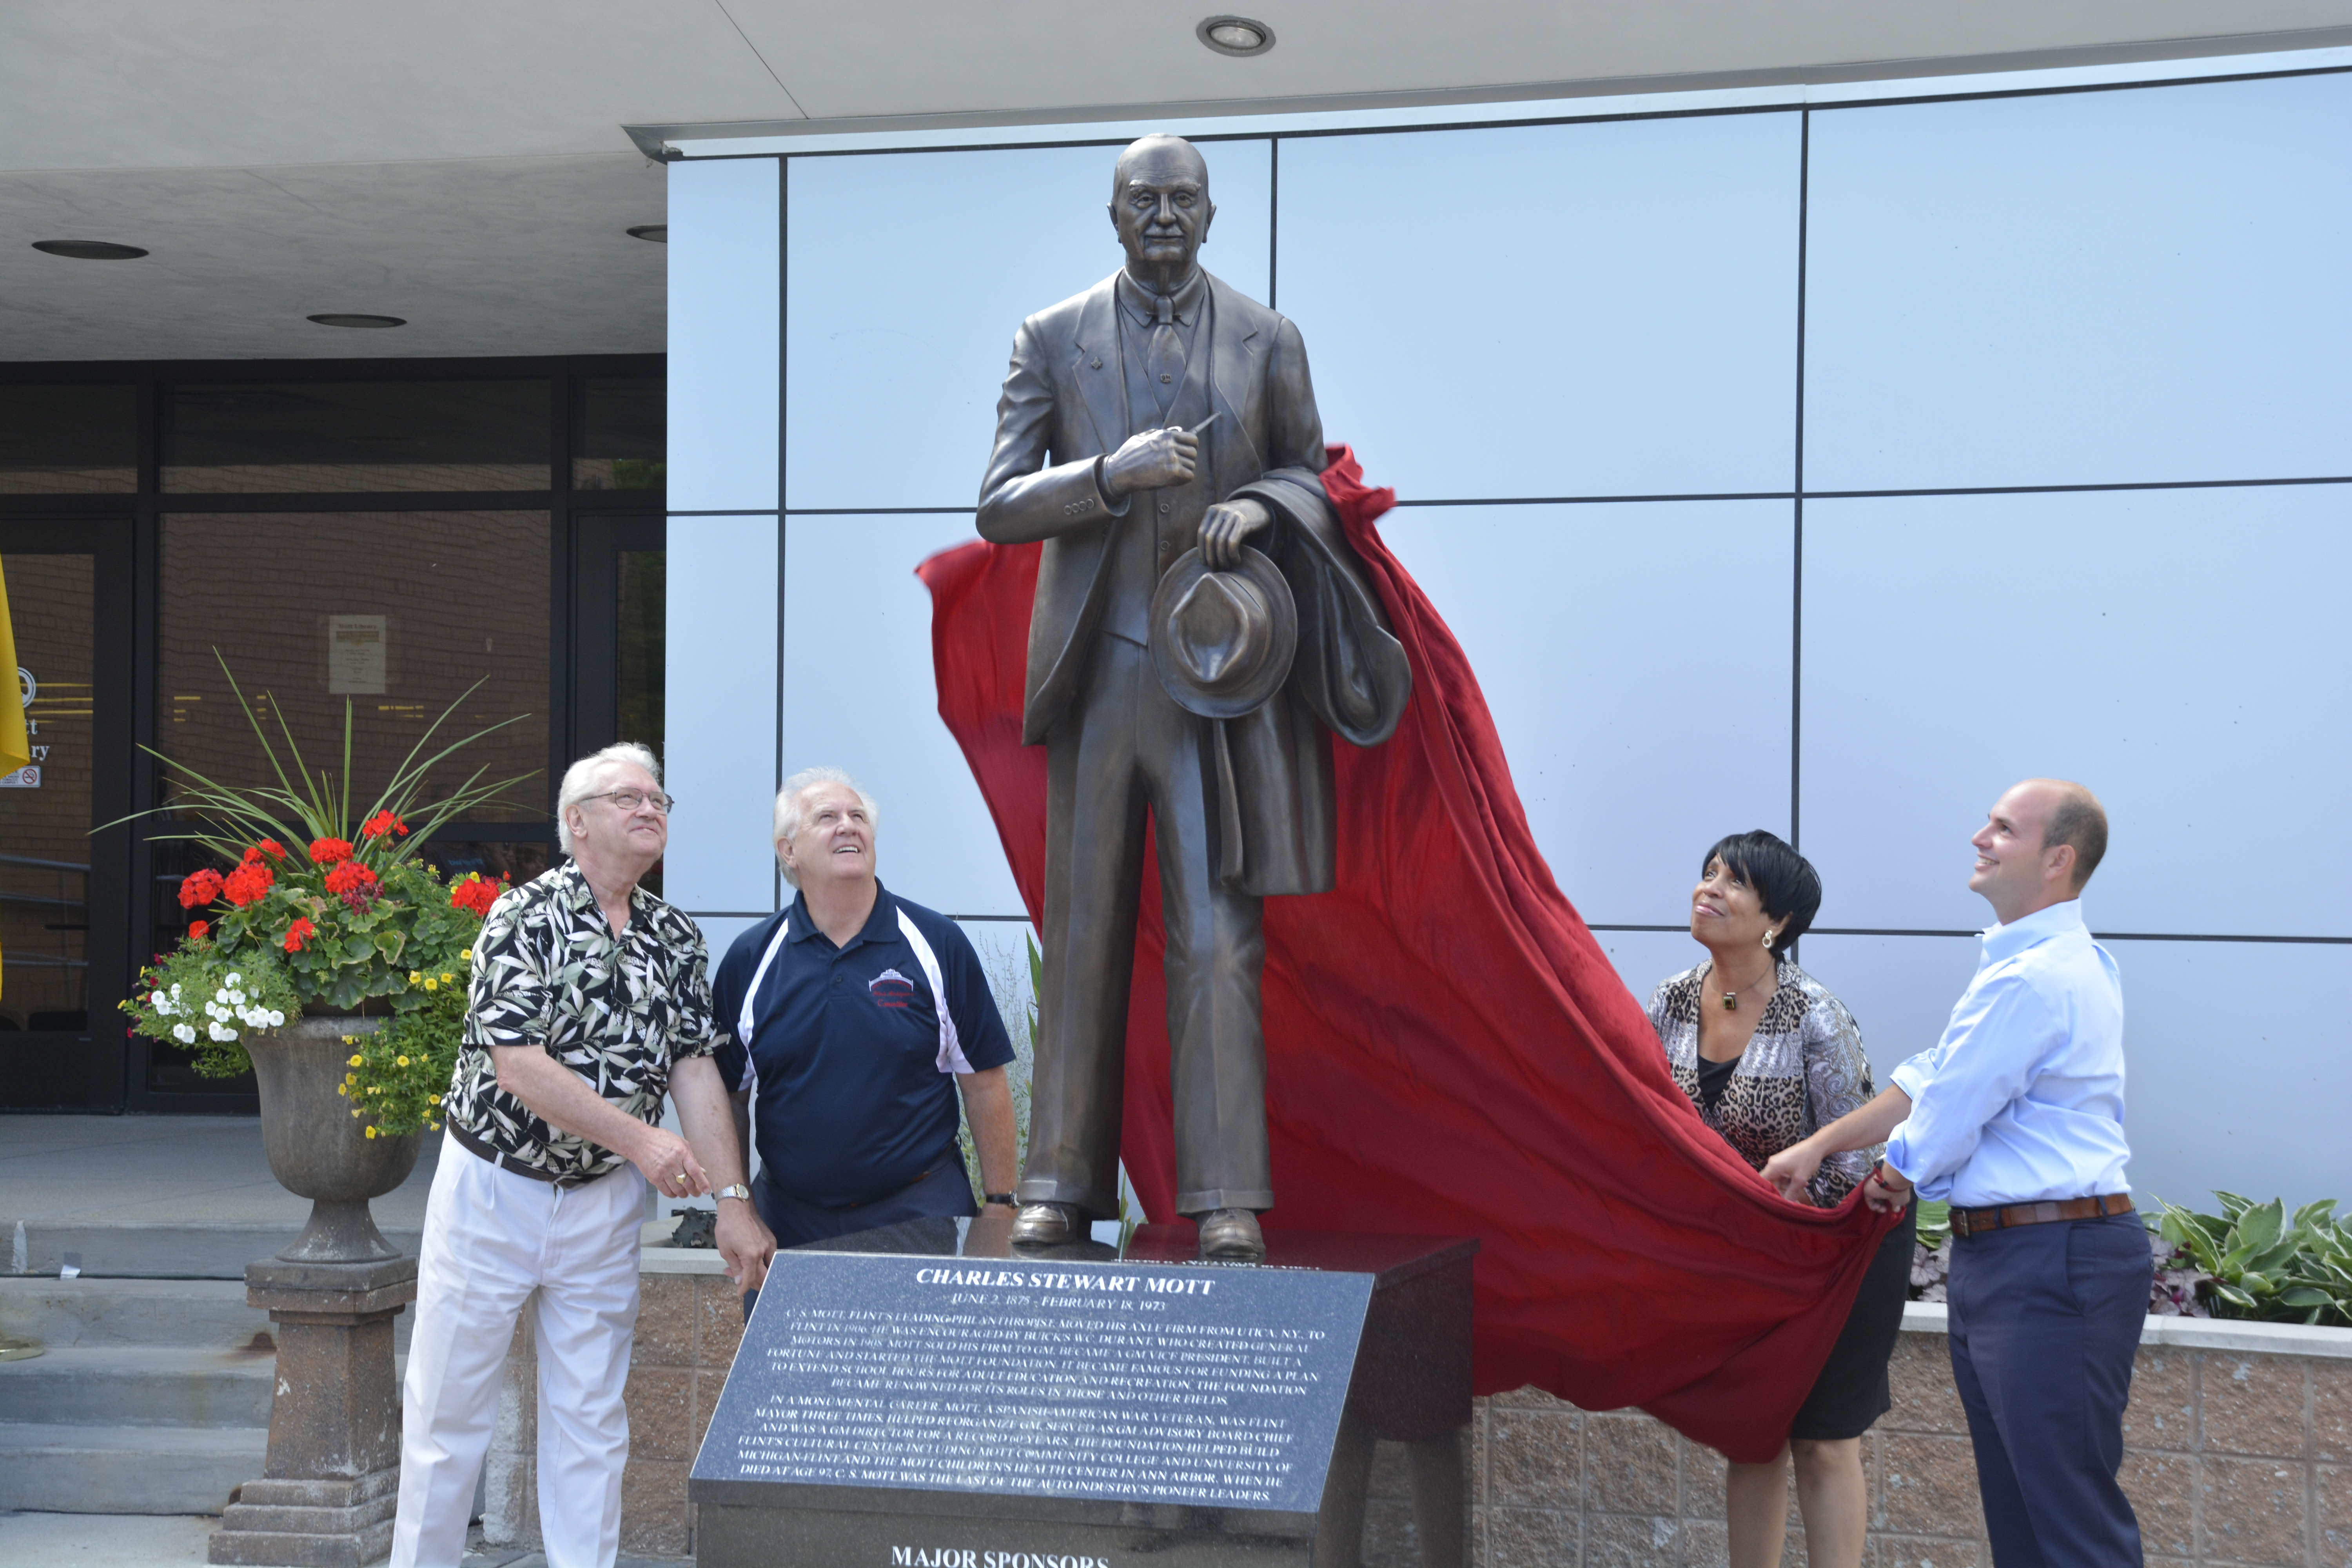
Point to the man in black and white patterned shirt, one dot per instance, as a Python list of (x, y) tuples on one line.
[(589, 1001)]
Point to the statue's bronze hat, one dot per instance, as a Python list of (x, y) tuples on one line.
[(1222, 641)]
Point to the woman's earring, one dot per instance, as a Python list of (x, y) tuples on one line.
[(1768, 941)]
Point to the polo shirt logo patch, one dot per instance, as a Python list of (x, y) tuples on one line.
[(890, 989)]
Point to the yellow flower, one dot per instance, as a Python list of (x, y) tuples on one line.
[(374, 1088), (404, 1061), (344, 1087), (355, 1110), (371, 1131), (433, 985), (448, 980), (415, 977), (432, 1099), (357, 1061), (467, 954)]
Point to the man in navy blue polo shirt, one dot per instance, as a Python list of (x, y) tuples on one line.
[(857, 1015)]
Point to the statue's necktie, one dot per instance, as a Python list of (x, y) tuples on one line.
[(1163, 357)]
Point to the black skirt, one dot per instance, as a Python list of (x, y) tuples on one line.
[(1852, 1390)]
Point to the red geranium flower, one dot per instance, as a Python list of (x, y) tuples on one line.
[(299, 933), (199, 888), (199, 929), (348, 876), (382, 822), (247, 883), (326, 852), (473, 894), (269, 846)]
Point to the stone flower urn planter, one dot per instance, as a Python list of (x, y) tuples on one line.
[(317, 1148)]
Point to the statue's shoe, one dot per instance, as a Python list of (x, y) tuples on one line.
[(1048, 1225), (1231, 1236)]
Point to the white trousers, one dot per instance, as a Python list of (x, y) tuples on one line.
[(494, 1240)]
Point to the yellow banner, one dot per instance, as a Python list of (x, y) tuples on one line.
[(15, 752)]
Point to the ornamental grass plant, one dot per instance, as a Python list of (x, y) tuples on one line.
[(320, 910)]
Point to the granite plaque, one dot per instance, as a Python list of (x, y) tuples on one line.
[(922, 1399)]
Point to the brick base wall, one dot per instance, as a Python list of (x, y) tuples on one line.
[(2232, 1458)]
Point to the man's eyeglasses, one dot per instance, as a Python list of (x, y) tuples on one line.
[(630, 799)]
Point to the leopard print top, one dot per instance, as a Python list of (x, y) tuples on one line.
[(1803, 1069)]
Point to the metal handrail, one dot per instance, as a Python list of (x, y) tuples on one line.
[(45, 903), (44, 865)]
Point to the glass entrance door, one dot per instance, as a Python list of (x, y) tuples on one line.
[(618, 616), (64, 891)]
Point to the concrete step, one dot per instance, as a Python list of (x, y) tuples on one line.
[(168, 1251), (154, 1314), (197, 1314), (118, 1385), (58, 1469)]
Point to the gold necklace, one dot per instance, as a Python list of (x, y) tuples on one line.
[(1731, 998)]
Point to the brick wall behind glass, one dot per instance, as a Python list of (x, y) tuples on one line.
[(464, 596)]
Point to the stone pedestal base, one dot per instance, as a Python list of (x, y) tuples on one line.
[(310, 1525), (332, 1476)]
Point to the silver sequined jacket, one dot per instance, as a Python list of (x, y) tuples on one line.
[(1803, 1069)]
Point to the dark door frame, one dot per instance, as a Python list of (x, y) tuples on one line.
[(598, 540), (88, 1070)]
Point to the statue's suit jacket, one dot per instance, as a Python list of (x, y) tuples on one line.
[(1065, 403)]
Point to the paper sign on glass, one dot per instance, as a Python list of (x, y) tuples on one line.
[(355, 655)]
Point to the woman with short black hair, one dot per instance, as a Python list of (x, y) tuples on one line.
[(1768, 1057)]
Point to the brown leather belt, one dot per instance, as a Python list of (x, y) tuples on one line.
[(1968, 1222), (473, 1145)]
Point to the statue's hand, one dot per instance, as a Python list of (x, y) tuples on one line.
[(1227, 528), (1148, 461)]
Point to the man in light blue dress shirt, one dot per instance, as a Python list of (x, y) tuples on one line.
[(2016, 1118)]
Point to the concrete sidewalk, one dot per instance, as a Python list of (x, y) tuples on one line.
[(161, 1196), (174, 1540)]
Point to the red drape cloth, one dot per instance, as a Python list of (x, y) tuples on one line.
[(1449, 1052)]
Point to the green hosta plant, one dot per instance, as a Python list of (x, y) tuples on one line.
[(2264, 1264)]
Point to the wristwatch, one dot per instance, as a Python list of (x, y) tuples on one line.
[(1007, 1199), (738, 1191)]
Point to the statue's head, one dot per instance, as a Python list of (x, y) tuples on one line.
[(1160, 205)]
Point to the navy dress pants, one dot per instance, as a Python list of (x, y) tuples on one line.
[(2044, 1322)]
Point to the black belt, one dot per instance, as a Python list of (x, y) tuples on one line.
[(473, 1145)]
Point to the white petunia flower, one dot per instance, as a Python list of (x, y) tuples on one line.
[(185, 1033), (222, 1033), (157, 1000), (277, 1019), (235, 978)]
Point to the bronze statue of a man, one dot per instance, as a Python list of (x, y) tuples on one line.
[(1199, 624)]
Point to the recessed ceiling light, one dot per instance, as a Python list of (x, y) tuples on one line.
[(1235, 36), (88, 249), (333, 320), (657, 232)]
